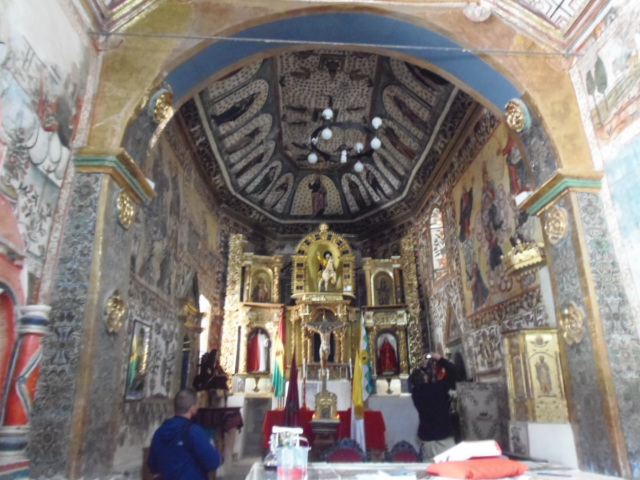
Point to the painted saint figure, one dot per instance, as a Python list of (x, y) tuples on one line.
[(318, 196), (260, 292), (543, 374), (383, 291)]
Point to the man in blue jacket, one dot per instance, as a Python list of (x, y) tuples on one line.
[(181, 449)]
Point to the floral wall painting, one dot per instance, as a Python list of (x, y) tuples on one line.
[(41, 91), (138, 361), (438, 246)]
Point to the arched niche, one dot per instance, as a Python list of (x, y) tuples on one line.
[(308, 264), (383, 288), (387, 348), (258, 351), (261, 286)]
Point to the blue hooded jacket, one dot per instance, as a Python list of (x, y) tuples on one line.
[(181, 449)]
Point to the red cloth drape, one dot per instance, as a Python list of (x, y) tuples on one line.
[(292, 404), (374, 426), (253, 353)]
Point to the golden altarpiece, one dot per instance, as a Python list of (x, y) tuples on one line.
[(252, 313), (534, 376), (323, 326)]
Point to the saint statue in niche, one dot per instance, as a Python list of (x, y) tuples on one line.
[(258, 351), (327, 271), (543, 374), (384, 291), (260, 292), (387, 357)]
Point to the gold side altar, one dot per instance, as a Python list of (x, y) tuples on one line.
[(323, 327)]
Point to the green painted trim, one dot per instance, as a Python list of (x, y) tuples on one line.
[(560, 187), (112, 162)]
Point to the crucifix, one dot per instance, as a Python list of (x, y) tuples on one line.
[(324, 328)]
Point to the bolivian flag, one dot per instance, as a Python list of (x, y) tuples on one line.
[(278, 371), (362, 376)]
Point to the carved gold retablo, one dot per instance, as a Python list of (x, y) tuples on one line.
[(572, 323), (116, 310), (126, 210)]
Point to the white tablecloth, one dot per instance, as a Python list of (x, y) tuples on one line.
[(369, 471)]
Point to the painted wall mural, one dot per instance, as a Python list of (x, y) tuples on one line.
[(610, 71), (174, 239), (41, 90), (487, 219), (607, 82)]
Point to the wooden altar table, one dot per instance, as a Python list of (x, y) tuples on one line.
[(374, 426)]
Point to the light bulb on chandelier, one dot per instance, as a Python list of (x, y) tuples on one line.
[(322, 148)]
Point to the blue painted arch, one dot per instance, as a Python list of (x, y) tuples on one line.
[(349, 28)]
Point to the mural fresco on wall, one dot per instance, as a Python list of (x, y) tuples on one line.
[(611, 100), (623, 172), (610, 71), (40, 104), (487, 219)]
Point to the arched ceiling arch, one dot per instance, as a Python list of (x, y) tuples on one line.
[(244, 132), (363, 30)]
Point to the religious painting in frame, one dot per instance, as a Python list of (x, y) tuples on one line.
[(138, 361), (487, 218)]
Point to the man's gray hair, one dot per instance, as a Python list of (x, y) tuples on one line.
[(185, 399)]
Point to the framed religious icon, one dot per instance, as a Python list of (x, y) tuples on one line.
[(138, 361)]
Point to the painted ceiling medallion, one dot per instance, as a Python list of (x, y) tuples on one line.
[(116, 311), (555, 224), (126, 210), (572, 323)]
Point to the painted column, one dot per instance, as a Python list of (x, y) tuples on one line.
[(25, 368)]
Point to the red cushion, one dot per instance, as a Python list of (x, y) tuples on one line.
[(479, 468), (345, 455), (404, 456)]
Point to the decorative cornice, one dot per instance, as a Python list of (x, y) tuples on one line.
[(123, 170), (560, 182)]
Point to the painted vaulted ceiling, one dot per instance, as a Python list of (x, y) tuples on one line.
[(255, 129)]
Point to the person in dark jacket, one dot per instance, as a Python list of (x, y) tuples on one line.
[(180, 449), (431, 385)]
